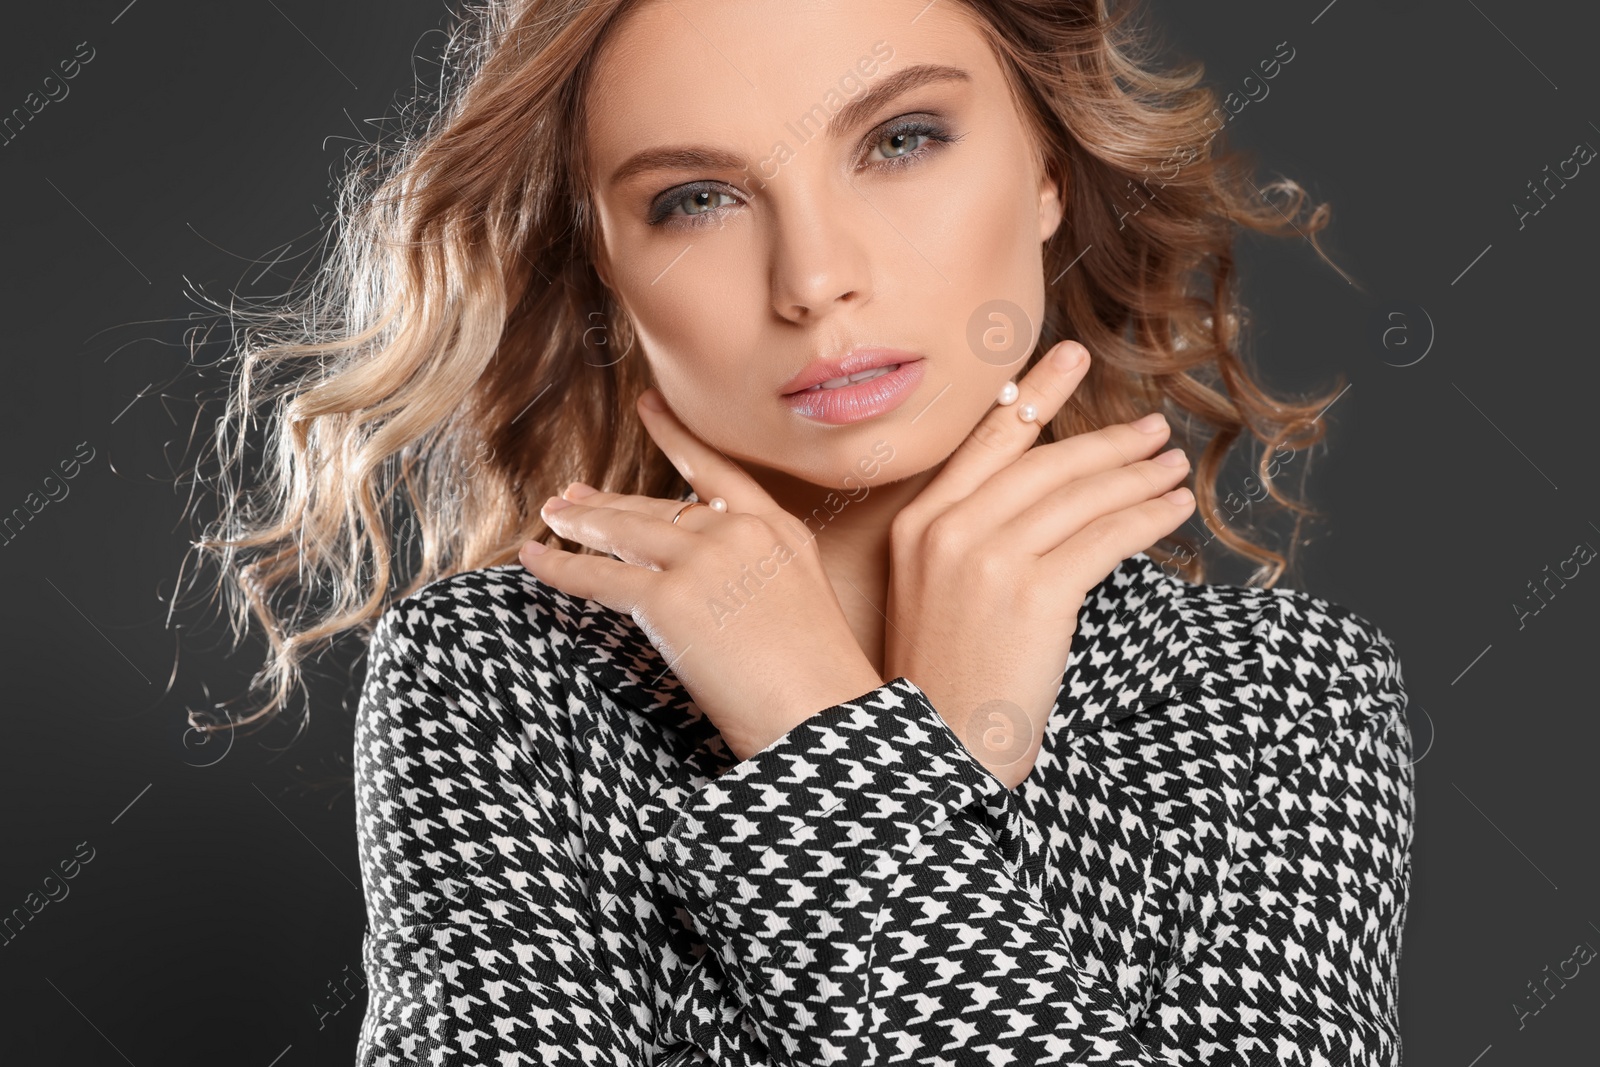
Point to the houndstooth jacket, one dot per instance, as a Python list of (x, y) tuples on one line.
[(562, 864)]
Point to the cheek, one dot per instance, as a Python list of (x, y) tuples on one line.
[(685, 314), (980, 224), (701, 353), (676, 290), (996, 213), (988, 249)]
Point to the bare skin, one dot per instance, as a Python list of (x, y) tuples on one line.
[(963, 567), (848, 239)]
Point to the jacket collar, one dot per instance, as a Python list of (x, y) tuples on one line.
[(1133, 650)]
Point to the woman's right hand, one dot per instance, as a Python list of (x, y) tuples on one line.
[(991, 561), (738, 604)]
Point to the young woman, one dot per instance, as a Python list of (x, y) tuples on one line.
[(854, 701)]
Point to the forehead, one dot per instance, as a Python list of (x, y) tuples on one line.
[(734, 69)]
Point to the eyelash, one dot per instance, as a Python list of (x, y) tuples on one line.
[(662, 213)]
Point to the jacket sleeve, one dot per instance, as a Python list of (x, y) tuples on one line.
[(858, 882), (478, 943)]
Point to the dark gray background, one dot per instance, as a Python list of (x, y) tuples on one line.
[(223, 894)]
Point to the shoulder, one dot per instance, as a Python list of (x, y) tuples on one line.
[(1285, 641), (476, 659), (461, 759), (1312, 689), (1287, 673), (468, 629), (540, 658)]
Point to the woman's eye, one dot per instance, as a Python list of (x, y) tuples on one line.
[(901, 145), (696, 203), (700, 201), (897, 143), (907, 143)]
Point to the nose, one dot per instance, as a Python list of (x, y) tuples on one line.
[(820, 245)]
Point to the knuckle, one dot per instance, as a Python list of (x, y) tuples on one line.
[(1106, 447), (993, 569), (908, 523), (911, 523), (945, 535), (747, 529), (1096, 537), (750, 525), (903, 540), (789, 529), (1066, 461), (990, 434)]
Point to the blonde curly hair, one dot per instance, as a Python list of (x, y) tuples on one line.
[(458, 358)]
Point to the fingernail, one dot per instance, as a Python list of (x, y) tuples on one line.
[(534, 548), (555, 503), (1180, 497), (1172, 457), (652, 400), (1150, 423), (580, 490), (1069, 354)]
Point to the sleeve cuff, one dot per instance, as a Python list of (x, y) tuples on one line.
[(854, 784)]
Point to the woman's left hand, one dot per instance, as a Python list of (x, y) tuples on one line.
[(993, 559)]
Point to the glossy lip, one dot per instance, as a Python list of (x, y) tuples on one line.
[(862, 400), (853, 362)]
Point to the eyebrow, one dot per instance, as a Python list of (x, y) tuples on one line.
[(857, 111)]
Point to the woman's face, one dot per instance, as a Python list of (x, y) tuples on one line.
[(784, 212)]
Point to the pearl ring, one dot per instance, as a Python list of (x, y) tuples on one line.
[(1008, 395), (716, 504)]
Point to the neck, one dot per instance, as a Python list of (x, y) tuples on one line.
[(851, 532)]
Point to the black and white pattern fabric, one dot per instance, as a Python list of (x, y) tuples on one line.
[(1208, 864)]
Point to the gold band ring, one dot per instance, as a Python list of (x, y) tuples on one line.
[(686, 507)]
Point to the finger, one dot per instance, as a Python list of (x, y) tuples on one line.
[(1058, 515), (633, 536), (707, 470), (654, 506), (1083, 560), (1045, 469), (1002, 436), (615, 584)]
